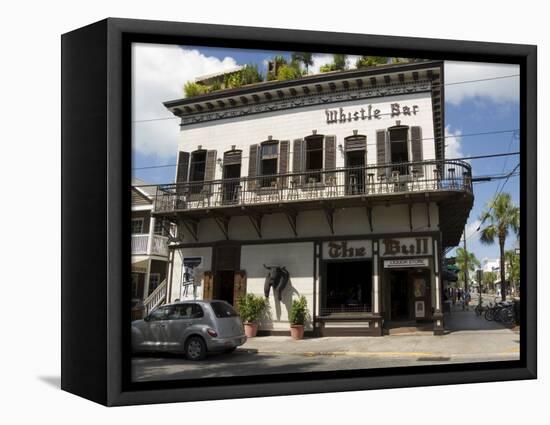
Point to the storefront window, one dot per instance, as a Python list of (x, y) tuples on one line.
[(348, 287)]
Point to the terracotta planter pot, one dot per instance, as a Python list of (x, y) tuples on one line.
[(297, 331), (250, 330)]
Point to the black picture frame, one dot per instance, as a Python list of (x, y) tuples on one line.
[(96, 168)]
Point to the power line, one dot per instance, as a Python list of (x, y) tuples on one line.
[(485, 133), (490, 177), (392, 86), (496, 195), (291, 152)]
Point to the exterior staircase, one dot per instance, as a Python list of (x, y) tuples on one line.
[(154, 300)]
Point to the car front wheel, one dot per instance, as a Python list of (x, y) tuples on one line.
[(195, 348)]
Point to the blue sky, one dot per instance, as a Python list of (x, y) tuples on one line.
[(477, 107)]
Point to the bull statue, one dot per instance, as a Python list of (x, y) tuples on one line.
[(277, 278)]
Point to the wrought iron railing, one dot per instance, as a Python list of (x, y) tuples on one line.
[(387, 179)]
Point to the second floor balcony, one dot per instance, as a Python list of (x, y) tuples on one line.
[(145, 244), (390, 182), (446, 182)]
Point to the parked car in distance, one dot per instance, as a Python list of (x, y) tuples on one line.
[(193, 328)]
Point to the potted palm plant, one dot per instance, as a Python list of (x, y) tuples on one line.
[(251, 308), (297, 317)]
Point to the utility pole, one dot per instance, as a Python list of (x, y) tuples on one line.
[(465, 264)]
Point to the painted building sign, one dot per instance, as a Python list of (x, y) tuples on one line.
[(347, 249), (406, 262), (405, 247), (340, 115)]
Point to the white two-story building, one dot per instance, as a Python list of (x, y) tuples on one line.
[(149, 252), (340, 178)]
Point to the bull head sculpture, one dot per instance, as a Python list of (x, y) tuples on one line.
[(277, 278)]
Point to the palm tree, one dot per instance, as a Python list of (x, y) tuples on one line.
[(464, 257), (489, 279), (502, 216), (512, 268), (303, 57), (340, 61)]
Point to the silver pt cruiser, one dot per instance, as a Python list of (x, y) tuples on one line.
[(191, 327)]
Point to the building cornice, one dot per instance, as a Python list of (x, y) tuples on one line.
[(307, 100)]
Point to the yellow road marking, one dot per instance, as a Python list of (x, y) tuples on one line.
[(392, 353)]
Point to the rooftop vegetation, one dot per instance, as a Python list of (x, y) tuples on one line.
[(281, 69)]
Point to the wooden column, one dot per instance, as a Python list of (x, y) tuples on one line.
[(375, 279)]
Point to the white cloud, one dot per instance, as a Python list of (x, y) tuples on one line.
[(351, 60), (498, 90), (453, 143), (318, 61), (159, 73)]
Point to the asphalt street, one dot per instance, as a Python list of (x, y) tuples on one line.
[(468, 339)]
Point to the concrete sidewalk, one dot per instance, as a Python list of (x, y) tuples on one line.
[(467, 335)]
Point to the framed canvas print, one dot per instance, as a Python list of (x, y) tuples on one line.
[(252, 212)]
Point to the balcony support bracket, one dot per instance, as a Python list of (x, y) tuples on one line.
[(256, 220), (369, 217), (223, 224), (329, 214), (192, 227), (292, 216)]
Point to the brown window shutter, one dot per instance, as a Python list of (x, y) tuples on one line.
[(330, 154), (297, 166), (208, 286), (181, 177), (210, 168), (284, 153), (239, 289), (416, 146), (380, 151), (183, 167), (253, 166)]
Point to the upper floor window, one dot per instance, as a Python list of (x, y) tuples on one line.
[(159, 227), (137, 226), (197, 171), (269, 161), (198, 166), (399, 149), (314, 157)]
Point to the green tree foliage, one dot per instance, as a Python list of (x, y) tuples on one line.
[(298, 311), (464, 257), (489, 279), (288, 72), (248, 75), (512, 267), (304, 58), (500, 217), (191, 89), (369, 61), (338, 64), (251, 307)]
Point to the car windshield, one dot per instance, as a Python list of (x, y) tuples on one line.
[(222, 309)]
